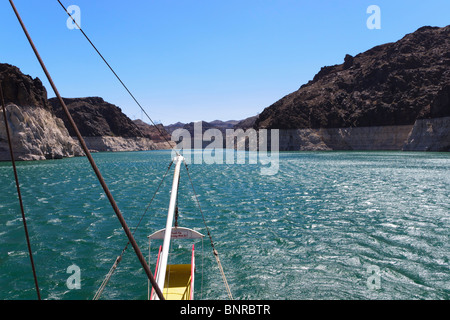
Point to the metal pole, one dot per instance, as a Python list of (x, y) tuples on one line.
[(161, 274), (92, 162)]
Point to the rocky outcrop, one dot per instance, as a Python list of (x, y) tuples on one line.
[(22, 89), (36, 132), (355, 138), (40, 129), (429, 135), (157, 134), (301, 140), (95, 117), (366, 138), (104, 126), (389, 87), (246, 123), (116, 144)]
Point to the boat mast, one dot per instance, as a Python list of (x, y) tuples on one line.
[(161, 273)]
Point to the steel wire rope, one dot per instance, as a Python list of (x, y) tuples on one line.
[(110, 197), (119, 258), (216, 253), (120, 80), (19, 194)]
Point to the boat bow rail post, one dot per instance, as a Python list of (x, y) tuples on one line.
[(176, 233), (162, 266)]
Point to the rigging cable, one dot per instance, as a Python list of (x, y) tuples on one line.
[(216, 254), (91, 160), (119, 258), (11, 152), (118, 78)]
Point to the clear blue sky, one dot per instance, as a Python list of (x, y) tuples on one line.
[(188, 60)]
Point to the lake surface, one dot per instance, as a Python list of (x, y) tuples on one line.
[(328, 225)]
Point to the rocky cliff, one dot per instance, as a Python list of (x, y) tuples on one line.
[(36, 132), (386, 98), (40, 129), (158, 135), (103, 125)]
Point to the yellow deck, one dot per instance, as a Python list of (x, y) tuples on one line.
[(177, 285)]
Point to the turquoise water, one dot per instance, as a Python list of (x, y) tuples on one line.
[(329, 225)]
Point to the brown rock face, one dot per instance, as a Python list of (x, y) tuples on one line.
[(95, 117), (391, 84), (36, 132), (151, 132), (106, 128), (22, 89)]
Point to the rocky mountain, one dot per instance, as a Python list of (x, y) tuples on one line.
[(158, 135), (36, 132), (21, 89), (220, 125), (96, 117), (216, 124), (40, 130), (246, 123), (104, 126), (172, 127), (394, 96)]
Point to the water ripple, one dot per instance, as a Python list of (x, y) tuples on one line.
[(313, 231)]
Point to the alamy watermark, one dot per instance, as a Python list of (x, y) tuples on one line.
[(212, 147), (374, 20), (74, 281), (374, 278), (75, 13)]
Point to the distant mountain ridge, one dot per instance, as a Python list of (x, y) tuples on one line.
[(216, 124), (222, 126)]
